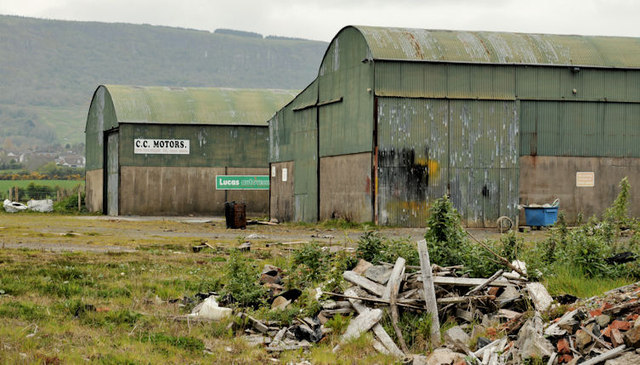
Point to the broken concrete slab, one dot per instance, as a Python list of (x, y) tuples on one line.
[(444, 356), (539, 296), (531, 342), (456, 335), (362, 267), (379, 274)]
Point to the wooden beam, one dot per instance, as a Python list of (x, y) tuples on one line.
[(391, 294), (445, 280), (429, 292), (378, 330), (363, 282)]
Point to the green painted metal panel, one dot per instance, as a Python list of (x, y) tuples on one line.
[(282, 125), (305, 168), (585, 129), (445, 80), (411, 79), (177, 105), (503, 48), (210, 145), (480, 81), (412, 158), (101, 117), (345, 82)]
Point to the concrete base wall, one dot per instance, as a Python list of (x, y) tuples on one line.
[(184, 191), (93, 189), (545, 178), (345, 187), (281, 200)]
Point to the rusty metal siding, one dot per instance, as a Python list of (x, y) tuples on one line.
[(499, 48), (413, 158), (553, 128), (345, 97)]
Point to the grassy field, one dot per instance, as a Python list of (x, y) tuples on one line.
[(5, 185), (77, 289)]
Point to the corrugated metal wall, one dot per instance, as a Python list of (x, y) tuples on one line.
[(210, 145), (427, 144), (346, 126), (460, 122), (450, 128), (293, 132), (483, 160), (413, 154)]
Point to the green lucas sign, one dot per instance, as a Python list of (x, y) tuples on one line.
[(242, 182)]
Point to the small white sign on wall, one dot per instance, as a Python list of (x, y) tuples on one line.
[(284, 174), (273, 171), (585, 179)]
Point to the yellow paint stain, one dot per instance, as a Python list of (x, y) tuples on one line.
[(432, 166)]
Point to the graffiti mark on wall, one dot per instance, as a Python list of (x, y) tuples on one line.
[(407, 175)]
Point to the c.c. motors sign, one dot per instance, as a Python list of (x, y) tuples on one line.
[(161, 146)]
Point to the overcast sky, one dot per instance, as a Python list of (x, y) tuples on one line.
[(321, 20)]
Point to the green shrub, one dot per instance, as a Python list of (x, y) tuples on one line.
[(446, 239), (369, 246), (70, 204), (402, 247), (241, 280), (618, 213), (448, 244)]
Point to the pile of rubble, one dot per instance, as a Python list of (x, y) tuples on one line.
[(500, 318)]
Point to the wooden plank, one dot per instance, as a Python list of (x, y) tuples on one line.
[(445, 280), (429, 292), (402, 303), (391, 294), (484, 285), (454, 300), (363, 282), (605, 356), (359, 325), (378, 330)]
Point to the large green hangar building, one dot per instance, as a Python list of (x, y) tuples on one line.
[(399, 117), (159, 150)]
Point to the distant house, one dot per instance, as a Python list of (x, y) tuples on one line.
[(75, 161)]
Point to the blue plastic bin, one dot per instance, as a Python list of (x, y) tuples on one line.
[(540, 216)]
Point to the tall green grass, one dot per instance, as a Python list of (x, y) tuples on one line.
[(568, 279)]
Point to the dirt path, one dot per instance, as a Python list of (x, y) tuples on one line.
[(126, 234)]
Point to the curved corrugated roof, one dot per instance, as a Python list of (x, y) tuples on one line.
[(502, 48), (177, 105)]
